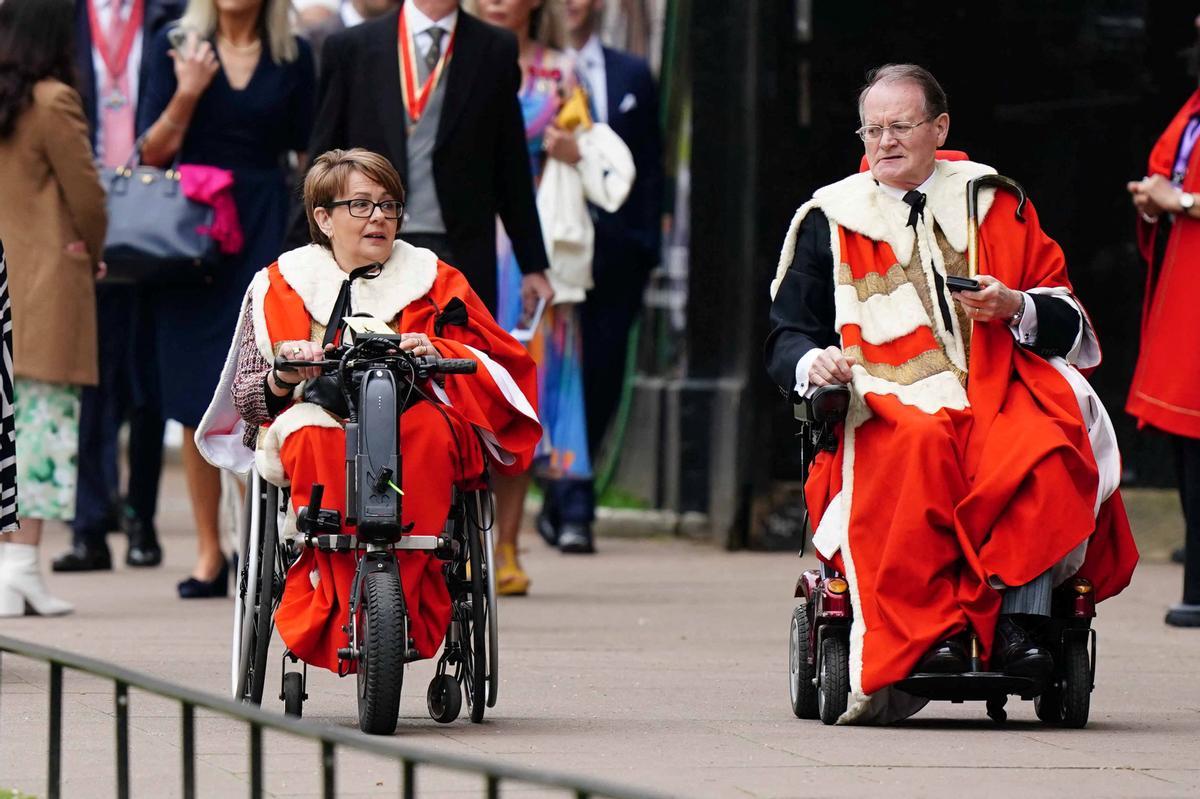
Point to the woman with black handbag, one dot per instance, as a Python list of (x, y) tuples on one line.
[(52, 223), (230, 87)]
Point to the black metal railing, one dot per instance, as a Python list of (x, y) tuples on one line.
[(408, 757)]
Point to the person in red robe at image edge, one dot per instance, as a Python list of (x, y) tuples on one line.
[(976, 469), (354, 200), (1165, 393)]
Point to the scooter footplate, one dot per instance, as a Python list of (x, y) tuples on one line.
[(971, 686)]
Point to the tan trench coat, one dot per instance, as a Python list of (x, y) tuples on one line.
[(50, 196)]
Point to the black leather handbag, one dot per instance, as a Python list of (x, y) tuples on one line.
[(156, 235)]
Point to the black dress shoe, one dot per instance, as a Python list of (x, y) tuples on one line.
[(1183, 615), (945, 657), (546, 527), (1016, 653), (576, 539), (84, 558), (191, 588), (143, 543)]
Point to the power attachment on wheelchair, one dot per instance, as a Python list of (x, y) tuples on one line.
[(377, 381), (819, 635)]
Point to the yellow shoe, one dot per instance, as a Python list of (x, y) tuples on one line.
[(511, 579)]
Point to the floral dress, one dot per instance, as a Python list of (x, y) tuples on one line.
[(557, 343)]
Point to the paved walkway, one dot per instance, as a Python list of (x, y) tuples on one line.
[(659, 663)]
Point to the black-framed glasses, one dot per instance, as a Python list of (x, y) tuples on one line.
[(899, 130), (362, 209)]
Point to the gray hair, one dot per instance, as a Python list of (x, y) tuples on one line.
[(935, 96)]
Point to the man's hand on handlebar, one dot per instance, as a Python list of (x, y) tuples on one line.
[(831, 368)]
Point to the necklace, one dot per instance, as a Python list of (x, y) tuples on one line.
[(245, 48)]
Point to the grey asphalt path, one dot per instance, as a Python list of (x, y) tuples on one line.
[(658, 663)]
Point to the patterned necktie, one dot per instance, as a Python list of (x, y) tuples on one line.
[(434, 53), (916, 207)]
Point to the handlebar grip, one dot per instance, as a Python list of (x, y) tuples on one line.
[(286, 363), (457, 366)]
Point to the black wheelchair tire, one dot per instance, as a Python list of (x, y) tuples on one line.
[(293, 694), (833, 683), (261, 593), (475, 644), (444, 698), (801, 691), (1066, 702), (381, 662)]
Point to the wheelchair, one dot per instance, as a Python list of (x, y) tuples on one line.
[(819, 635), (381, 378)]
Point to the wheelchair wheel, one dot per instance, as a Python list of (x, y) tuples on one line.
[(800, 678), (474, 625), (1067, 701), (444, 699), (293, 694), (833, 683), (259, 590), (383, 636)]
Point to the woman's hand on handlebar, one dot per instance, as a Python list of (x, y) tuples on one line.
[(301, 351), (419, 345)]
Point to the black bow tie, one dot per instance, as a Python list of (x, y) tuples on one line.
[(916, 206)]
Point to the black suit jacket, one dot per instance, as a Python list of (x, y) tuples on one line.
[(480, 161), (803, 315), (629, 241), (158, 13)]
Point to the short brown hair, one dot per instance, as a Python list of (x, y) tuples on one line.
[(935, 97), (329, 174)]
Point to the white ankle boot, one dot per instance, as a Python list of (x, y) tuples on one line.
[(21, 583)]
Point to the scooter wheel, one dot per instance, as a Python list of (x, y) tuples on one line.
[(444, 699), (293, 694)]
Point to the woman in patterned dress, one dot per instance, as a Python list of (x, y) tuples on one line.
[(52, 222), (548, 75)]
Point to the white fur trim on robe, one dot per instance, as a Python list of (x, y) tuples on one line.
[(857, 204), (300, 415)]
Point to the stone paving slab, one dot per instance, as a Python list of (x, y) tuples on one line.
[(658, 663)]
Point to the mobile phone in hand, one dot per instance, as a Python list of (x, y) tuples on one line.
[(182, 41), (962, 284)]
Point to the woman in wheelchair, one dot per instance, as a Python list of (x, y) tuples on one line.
[(354, 201)]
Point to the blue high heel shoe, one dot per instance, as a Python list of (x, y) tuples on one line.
[(191, 588)]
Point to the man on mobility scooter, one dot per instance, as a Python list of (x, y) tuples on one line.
[(975, 470), (291, 426)]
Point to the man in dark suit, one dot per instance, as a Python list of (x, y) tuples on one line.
[(462, 153), (622, 93), (111, 70)]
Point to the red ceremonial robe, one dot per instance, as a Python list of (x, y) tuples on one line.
[(938, 494), (1165, 392), (439, 445)]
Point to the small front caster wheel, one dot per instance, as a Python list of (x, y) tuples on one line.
[(444, 699), (996, 711), (293, 694)]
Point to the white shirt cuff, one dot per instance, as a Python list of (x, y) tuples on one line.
[(1026, 331), (803, 366)]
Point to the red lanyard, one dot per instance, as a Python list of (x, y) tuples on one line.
[(115, 54), (414, 101)]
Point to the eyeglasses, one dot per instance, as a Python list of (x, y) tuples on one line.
[(363, 209), (900, 130)]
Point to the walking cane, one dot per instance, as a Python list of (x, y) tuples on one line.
[(973, 187)]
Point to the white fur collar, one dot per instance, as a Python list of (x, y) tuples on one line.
[(407, 275), (856, 203)]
